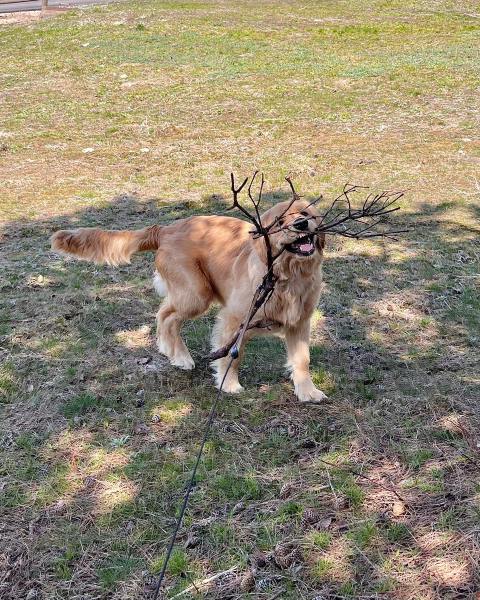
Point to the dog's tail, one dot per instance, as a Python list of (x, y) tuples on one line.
[(105, 246)]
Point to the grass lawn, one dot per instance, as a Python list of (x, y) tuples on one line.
[(135, 113)]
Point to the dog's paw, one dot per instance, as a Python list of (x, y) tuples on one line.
[(183, 362), (309, 393), (229, 387)]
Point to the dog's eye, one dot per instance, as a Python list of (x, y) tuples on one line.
[(304, 213), (281, 222)]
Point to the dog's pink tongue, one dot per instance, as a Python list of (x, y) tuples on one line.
[(308, 247)]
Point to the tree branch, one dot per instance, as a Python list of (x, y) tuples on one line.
[(339, 219)]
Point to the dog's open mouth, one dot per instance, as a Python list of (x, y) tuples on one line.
[(304, 246)]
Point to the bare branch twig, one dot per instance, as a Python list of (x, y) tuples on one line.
[(340, 218), (224, 350)]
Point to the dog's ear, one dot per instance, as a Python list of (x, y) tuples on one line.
[(320, 241), (260, 248)]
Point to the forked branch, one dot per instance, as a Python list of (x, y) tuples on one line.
[(339, 219)]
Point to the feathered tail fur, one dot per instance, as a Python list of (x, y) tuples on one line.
[(105, 246)]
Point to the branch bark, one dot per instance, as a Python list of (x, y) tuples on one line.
[(224, 350)]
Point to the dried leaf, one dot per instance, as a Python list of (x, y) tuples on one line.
[(398, 508), (324, 523), (286, 490), (238, 508), (192, 541)]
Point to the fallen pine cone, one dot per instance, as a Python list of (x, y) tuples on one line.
[(227, 587), (310, 516), (205, 522), (247, 582), (141, 429), (292, 430), (285, 556), (264, 584), (258, 559), (341, 502)]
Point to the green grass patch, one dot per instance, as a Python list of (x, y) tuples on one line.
[(63, 565), (322, 569), (290, 509), (320, 539), (348, 588), (79, 405), (8, 382), (324, 380), (54, 486), (345, 482), (449, 519), (364, 535), (177, 565), (28, 441), (398, 533), (12, 496), (116, 569), (418, 458), (232, 487)]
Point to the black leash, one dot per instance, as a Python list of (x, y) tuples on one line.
[(191, 483)]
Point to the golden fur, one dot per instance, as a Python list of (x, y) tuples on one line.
[(206, 259)]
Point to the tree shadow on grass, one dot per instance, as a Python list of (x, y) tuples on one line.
[(98, 431)]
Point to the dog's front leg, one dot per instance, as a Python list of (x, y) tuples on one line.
[(225, 328), (298, 361)]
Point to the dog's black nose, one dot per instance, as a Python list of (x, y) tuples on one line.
[(301, 224)]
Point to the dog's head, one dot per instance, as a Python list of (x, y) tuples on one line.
[(292, 231)]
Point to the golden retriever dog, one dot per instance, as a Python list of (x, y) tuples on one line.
[(215, 259)]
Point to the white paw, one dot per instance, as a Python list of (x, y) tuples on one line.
[(229, 387), (309, 393), (183, 362)]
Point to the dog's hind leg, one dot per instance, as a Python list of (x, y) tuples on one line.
[(165, 344), (171, 343), (188, 296)]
